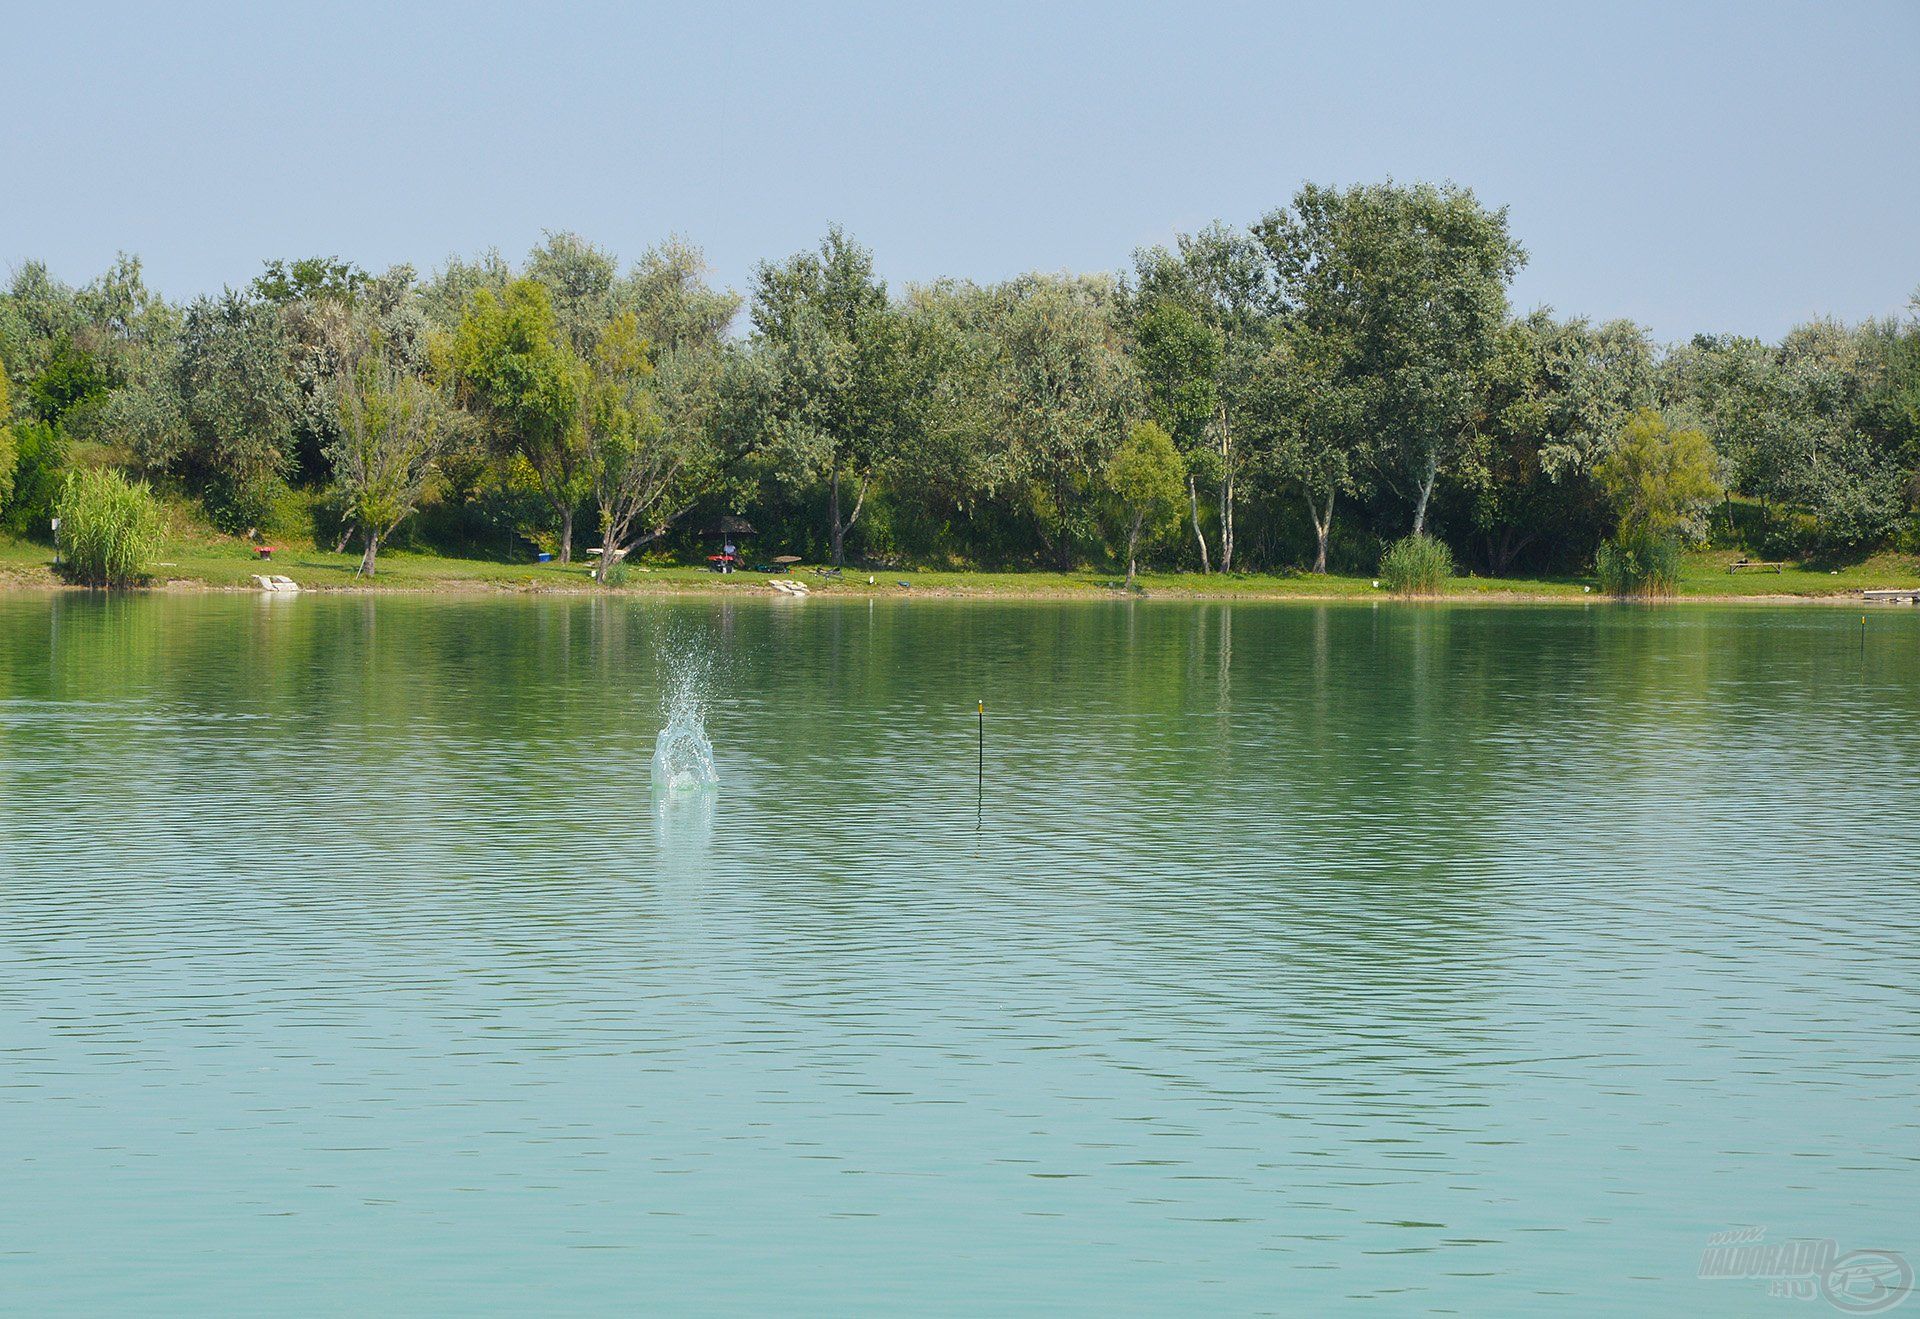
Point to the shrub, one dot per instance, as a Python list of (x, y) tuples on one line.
[(109, 527), (40, 452), (1418, 565), (9, 459), (1639, 563), (9, 456)]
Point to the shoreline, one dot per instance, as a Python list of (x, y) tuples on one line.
[(758, 589), (226, 566)]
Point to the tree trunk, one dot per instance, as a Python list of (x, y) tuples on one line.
[(566, 535), (373, 548), (836, 531), (1133, 547), (346, 534), (1322, 528), (1226, 491), (1226, 524), (1426, 493), (1193, 502)]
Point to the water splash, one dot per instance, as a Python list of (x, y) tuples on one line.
[(682, 755)]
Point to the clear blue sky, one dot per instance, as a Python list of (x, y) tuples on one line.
[(1693, 166)]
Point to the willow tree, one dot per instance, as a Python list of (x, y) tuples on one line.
[(392, 423), (831, 343), (1410, 284), (1219, 284), (650, 435), (657, 377), (1062, 388), (513, 368), (1145, 475), (238, 405), (9, 456), (1661, 480), (1179, 361), (1305, 418)]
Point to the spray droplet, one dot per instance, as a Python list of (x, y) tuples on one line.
[(682, 755)]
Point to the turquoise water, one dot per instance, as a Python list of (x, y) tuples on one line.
[(1464, 959)]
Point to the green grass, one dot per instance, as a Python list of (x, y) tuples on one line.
[(223, 562)]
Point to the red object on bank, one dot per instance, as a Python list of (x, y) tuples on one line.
[(266, 551)]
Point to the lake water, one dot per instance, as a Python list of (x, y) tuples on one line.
[(1472, 959)]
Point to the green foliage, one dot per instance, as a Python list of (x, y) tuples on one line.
[(1641, 563), (109, 527), (72, 377), (1409, 286), (1556, 396), (1147, 479), (514, 369), (1660, 481), (1416, 565), (313, 278), (1205, 319), (1662, 485), (1180, 359), (393, 424), (40, 455), (1352, 354), (237, 407), (1062, 385), (9, 455), (835, 371), (1823, 430)]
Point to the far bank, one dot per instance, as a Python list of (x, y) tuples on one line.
[(26, 565)]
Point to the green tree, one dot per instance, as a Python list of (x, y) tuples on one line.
[(658, 383), (579, 278), (1410, 283), (393, 424), (517, 372), (238, 405), (1305, 414), (310, 279), (669, 293), (1555, 396), (1661, 481), (72, 378), (1146, 477), (1063, 385), (40, 459), (36, 312), (446, 293), (833, 350), (1219, 279), (9, 455), (954, 457), (1179, 359)]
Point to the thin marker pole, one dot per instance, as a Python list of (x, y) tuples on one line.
[(980, 799)]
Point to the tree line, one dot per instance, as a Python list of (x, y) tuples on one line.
[(1342, 373)]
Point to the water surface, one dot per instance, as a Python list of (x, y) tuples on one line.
[(1467, 959)]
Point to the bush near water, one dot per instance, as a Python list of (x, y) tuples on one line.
[(1639, 563), (1416, 565), (109, 528)]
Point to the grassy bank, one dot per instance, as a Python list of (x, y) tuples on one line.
[(220, 563)]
